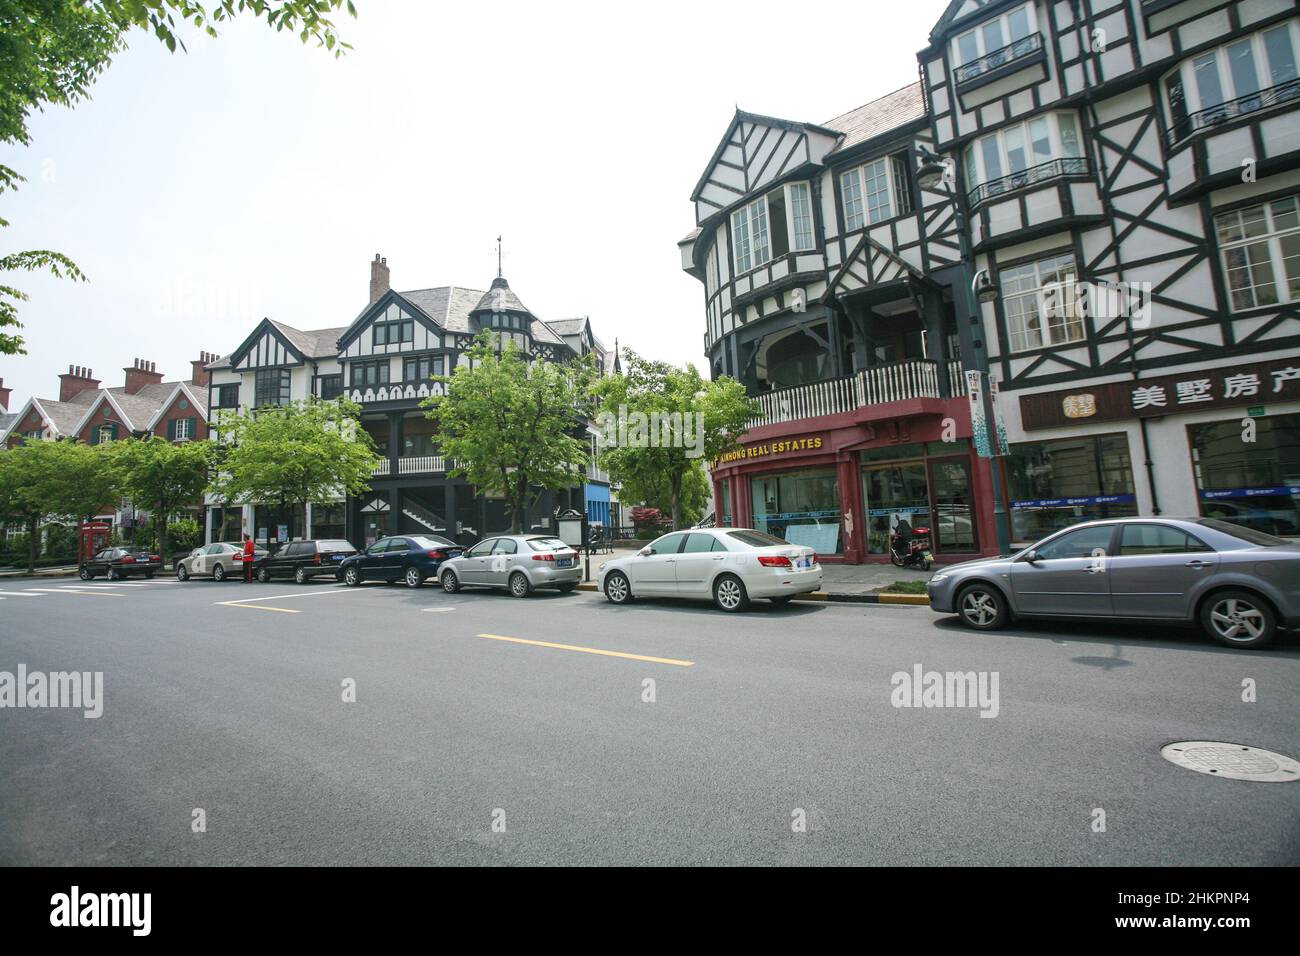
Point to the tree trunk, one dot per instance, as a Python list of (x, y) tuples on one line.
[(676, 484), (31, 545), (162, 536)]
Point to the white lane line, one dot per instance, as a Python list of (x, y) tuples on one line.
[(281, 597), (79, 593), (19, 594), (437, 610)]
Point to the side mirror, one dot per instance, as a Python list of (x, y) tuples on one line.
[(1030, 556), (645, 552), (196, 552)]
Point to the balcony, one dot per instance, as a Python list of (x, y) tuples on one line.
[(1015, 66), (412, 465), (1052, 169), (1234, 109), (879, 385)]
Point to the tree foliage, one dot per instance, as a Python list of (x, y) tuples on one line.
[(52, 51), (511, 426), (689, 422), (44, 481), (300, 453), (161, 477)]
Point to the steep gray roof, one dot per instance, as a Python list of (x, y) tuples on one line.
[(63, 415), (7, 419), (500, 298), (878, 117), (448, 306)]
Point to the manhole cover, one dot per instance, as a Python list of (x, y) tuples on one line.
[(1235, 761)]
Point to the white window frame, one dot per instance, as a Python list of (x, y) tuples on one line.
[(854, 181), (1271, 240), (1186, 72), (978, 32), (105, 433), (1065, 326), (751, 233), (182, 431), (976, 173)]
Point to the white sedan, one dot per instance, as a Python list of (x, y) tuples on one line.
[(733, 565)]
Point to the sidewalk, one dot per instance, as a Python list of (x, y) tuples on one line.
[(856, 583)]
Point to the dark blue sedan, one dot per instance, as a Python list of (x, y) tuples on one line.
[(411, 558)]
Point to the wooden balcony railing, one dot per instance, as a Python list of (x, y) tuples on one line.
[(878, 385)]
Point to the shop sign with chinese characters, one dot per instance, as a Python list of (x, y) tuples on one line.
[(1271, 382)]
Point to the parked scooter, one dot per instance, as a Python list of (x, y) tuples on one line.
[(910, 547)]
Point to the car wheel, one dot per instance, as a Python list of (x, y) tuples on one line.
[(351, 577), (729, 593), (618, 590), (219, 573), (1238, 619), (519, 586), (300, 576), (182, 573), (982, 607), (114, 574), (85, 574), (783, 600), (413, 577), (450, 583), (264, 575)]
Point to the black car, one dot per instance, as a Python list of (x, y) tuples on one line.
[(119, 563), (303, 560), (408, 557)]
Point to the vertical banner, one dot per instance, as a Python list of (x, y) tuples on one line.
[(975, 400), (999, 426)]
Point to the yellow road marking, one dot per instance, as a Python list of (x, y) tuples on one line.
[(590, 650), (258, 607)]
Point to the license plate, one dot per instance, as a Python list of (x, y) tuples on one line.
[(804, 563), (564, 563), (336, 557)]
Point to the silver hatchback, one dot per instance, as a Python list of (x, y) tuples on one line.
[(519, 563), (1241, 586)]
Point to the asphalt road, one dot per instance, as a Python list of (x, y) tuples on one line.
[(466, 749)]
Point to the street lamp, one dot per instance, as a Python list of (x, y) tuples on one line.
[(933, 173)]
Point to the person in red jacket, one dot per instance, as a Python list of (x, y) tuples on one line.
[(249, 552)]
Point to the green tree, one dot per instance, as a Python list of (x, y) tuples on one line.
[(161, 477), (295, 454), (511, 426), (52, 51), (55, 480), (660, 424)]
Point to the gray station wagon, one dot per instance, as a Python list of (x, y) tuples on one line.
[(1240, 585), (519, 563)]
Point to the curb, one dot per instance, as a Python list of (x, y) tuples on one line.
[(840, 597)]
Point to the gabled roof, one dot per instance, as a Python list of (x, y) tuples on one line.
[(957, 10), (880, 116), (197, 395), (106, 395), (312, 343), (758, 118), (286, 334), (448, 306)]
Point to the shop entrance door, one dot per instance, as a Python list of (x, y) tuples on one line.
[(954, 507), (890, 492)]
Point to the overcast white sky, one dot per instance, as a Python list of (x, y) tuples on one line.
[(256, 177)]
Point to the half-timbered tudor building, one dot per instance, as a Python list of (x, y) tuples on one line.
[(1127, 172), (383, 360)]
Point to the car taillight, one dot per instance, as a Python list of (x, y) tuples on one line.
[(153, 557), (238, 556), (437, 555), (814, 557), (774, 561), (543, 557), (316, 558)]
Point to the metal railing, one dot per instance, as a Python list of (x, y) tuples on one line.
[(878, 385), (1015, 50), (1052, 169), (1234, 109)]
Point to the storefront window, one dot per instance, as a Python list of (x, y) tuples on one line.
[(891, 492), (803, 507), (1055, 484), (275, 526), (327, 521), (1250, 478), (228, 524)]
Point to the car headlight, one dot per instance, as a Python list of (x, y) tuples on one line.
[(936, 578)]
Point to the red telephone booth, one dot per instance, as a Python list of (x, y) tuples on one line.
[(92, 536)]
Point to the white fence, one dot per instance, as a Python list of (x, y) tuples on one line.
[(879, 385)]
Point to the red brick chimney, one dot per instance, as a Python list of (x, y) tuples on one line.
[(139, 374), (4, 396), (378, 278), (198, 374), (77, 379)]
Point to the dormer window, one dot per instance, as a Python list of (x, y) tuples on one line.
[(991, 36), (772, 226), (394, 333)]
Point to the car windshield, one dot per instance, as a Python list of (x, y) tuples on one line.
[(547, 544), (1245, 534), (335, 546), (757, 539), (429, 541)]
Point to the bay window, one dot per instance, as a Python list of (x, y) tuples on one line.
[(771, 226), (875, 192), (271, 387), (1023, 154), (1260, 246), (1248, 74), (1040, 304), (1007, 30)]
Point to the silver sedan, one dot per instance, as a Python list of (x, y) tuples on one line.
[(1241, 586), (219, 561), (519, 563)]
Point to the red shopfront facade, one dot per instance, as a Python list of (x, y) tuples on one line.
[(838, 483)]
